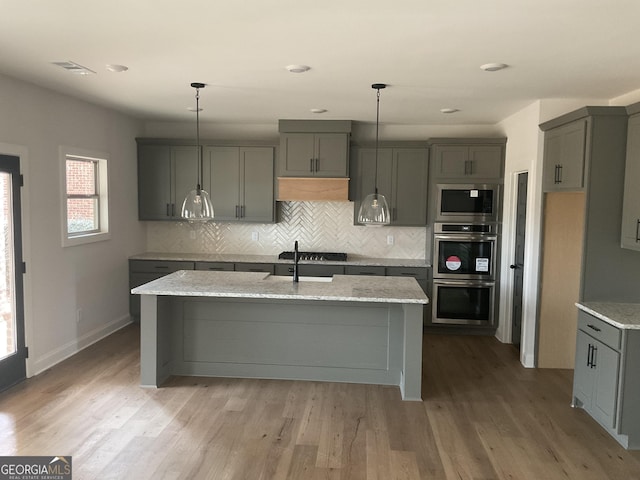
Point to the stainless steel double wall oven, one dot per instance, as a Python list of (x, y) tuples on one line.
[(465, 255)]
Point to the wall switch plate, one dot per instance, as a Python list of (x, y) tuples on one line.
[(255, 236), (390, 239)]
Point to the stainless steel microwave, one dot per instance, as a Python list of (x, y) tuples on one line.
[(467, 202)]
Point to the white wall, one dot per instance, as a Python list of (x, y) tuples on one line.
[(92, 278)]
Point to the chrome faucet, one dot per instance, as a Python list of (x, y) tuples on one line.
[(296, 258)]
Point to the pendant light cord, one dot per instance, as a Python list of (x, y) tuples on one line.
[(375, 178), (200, 166)]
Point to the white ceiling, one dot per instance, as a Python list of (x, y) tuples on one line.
[(427, 51)]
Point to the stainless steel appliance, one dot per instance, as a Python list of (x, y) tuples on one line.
[(463, 302), (467, 202), (465, 251), (464, 273)]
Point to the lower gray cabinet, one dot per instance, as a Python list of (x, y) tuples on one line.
[(144, 271), (364, 270), (605, 382), (255, 267), (215, 266)]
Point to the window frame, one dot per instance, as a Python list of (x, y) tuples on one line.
[(102, 194)]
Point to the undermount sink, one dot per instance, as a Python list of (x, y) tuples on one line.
[(301, 278)]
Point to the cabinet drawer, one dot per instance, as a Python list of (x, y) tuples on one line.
[(356, 270), (310, 270), (255, 267), (415, 272), (156, 266), (215, 266), (599, 329)]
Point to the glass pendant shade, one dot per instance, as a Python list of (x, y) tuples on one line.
[(197, 206), (374, 211)]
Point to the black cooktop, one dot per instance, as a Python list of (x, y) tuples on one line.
[(317, 256)]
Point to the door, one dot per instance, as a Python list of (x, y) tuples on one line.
[(518, 259), (13, 352), (409, 202), (225, 181), (154, 182), (257, 185), (331, 154)]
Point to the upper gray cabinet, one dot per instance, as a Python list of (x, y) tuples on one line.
[(314, 148), (402, 179), (631, 205), (460, 160), (242, 183), (564, 157), (166, 174)]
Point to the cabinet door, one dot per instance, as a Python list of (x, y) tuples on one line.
[(297, 154), (255, 267), (225, 181), (485, 161), (185, 175), (154, 182), (410, 171), (450, 161), (631, 207), (365, 174), (583, 374), (605, 392), (256, 188), (564, 157), (331, 154)]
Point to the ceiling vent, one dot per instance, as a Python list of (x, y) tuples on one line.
[(74, 68)]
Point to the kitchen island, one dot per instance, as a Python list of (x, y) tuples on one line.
[(344, 328)]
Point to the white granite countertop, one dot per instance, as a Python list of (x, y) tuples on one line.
[(344, 288), (621, 315), (241, 258)]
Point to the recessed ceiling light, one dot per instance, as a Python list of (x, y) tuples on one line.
[(113, 67), (318, 110), (493, 67), (449, 110), (298, 68), (74, 67)]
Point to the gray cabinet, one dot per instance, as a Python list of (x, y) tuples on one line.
[(310, 270), (215, 266), (605, 377), (564, 157), (464, 161), (255, 267), (166, 174), (144, 271), (402, 175), (364, 270), (314, 154), (241, 181), (631, 205)]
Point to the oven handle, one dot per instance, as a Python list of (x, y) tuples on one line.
[(464, 283), (465, 236)]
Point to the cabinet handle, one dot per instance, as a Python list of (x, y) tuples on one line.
[(594, 354), (311, 164), (638, 230), (593, 327), (559, 174), (395, 213), (469, 170), (168, 210), (589, 355), (237, 211), (173, 209), (241, 211), (161, 267)]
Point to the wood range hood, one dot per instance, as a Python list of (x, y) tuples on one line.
[(309, 189)]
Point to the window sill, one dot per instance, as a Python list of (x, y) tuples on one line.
[(82, 239)]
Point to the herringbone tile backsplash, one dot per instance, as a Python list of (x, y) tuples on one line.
[(318, 226)]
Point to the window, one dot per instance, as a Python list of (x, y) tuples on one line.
[(85, 203)]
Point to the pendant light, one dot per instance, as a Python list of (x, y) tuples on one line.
[(197, 206), (374, 210)]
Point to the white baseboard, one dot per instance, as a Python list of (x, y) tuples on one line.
[(49, 359)]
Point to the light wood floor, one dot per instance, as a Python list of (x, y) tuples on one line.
[(483, 417)]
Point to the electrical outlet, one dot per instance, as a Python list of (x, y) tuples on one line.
[(255, 236), (390, 239)]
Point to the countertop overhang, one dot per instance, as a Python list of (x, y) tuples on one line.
[(260, 285)]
